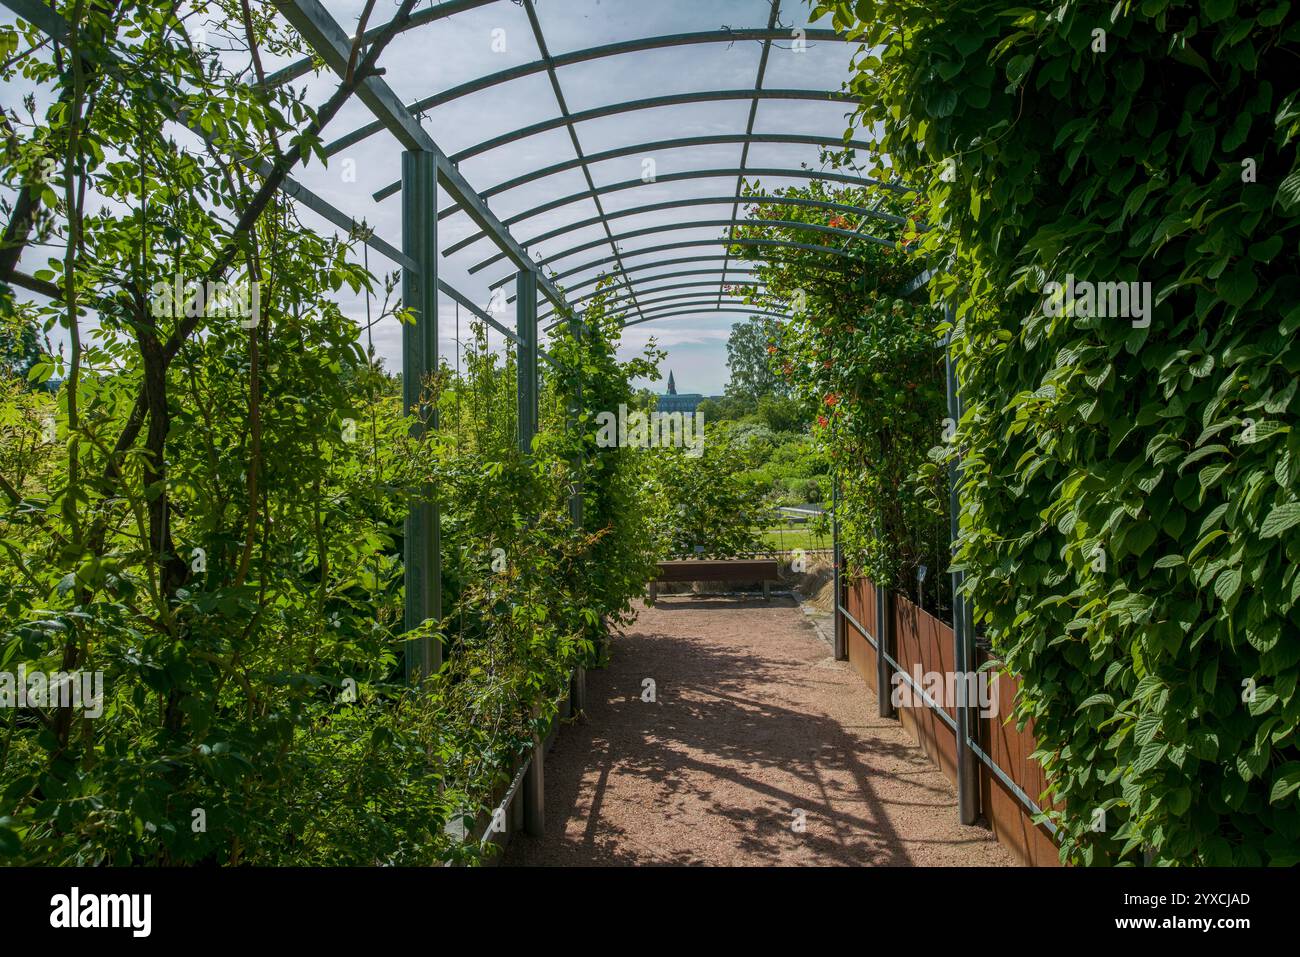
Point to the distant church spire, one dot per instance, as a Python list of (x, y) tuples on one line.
[(672, 386)]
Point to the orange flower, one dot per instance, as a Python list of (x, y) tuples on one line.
[(832, 399), (822, 420)]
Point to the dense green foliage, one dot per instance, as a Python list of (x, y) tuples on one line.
[(1130, 525), (209, 509), (786, 464), (789, 467), (870, 362), (703, 506)]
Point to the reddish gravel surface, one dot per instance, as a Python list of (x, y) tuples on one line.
[(753, 723)]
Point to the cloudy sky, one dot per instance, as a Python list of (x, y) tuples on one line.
[(496, 37)]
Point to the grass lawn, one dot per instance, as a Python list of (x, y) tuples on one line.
[(787, 537)]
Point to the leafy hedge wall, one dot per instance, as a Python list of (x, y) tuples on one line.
[(1131, 525)]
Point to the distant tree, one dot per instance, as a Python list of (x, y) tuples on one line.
[(748, 359), (726, 408), (643, 398), (20, 347), (784, 413)]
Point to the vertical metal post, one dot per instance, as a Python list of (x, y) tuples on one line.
[(884, 646), (526, 355), (841, 648), (968, 797), (421, 553)]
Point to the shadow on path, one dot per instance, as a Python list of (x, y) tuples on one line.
[(724, 733)]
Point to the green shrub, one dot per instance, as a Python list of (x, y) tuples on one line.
[(703, 504)]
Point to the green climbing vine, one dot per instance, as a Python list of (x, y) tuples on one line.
[(1130, 523)]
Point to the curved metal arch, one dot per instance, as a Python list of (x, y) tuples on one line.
[(691, 299), (687, 244), (695, 309), (668, 275), (698, 201), (649, 103), (618, 294), (697, 312), (630, 106), (707, 224), (534, 67), (715, 273), (621, 296), (674, 301), (728, 172), (682, 142), (707, 305), (626, 301), (623, 273), (679, 261)]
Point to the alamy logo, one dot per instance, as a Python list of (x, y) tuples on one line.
[(1100, 300), (658, 430), (216, 300), (59, 689), (945, 690), (103, 910)]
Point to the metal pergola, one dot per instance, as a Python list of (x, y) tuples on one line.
[(425, 168)]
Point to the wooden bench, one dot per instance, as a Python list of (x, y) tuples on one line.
[(717, 570)]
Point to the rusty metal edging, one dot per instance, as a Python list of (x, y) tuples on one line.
[(1025, 800)]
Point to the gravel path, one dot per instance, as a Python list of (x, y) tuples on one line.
[(754, 728)]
